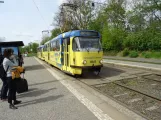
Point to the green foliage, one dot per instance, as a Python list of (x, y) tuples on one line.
[(146, 55), (133, 54), (28, 48), (24, 49), (113, 38), (34, 47), (44, 40), (32, 54), (151, 54), (55, 32), (125, 52)]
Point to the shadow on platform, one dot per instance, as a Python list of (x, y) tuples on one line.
[(40, 100), (34, 67), (41, 83), (35, 93)]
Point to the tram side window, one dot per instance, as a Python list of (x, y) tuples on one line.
[(75, 44), (57, 45), (45, 48), (54, 46), (51, 46)]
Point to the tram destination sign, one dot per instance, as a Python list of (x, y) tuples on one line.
[(88, 33)]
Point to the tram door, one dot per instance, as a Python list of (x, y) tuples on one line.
[(66, 43), (48, 52), (41, 50)]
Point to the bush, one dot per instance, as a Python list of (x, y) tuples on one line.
[(146, 54), (133, 54), (125, 52), (110, 53)]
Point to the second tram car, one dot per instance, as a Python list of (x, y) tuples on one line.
[(40, 52)]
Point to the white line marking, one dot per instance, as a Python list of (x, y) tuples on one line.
[(153, 84), (92, 107), (134, 100), (120, 95), (152, 108)]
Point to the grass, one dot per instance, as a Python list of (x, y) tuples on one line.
[(151, 54)]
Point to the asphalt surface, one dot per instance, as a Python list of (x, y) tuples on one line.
[(47, 99)]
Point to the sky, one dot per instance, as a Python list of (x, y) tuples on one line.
[(21, 21)]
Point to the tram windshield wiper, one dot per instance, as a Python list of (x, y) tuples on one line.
[(99, 49), (87, 49)]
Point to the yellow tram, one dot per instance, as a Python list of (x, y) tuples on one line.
[(74, 51), (40, 52)]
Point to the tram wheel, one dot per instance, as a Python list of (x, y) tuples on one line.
[(96, 72), (78, 76)]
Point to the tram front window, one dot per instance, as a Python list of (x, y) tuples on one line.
[(86, 44)]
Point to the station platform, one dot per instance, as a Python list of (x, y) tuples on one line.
[(47, 99), (54, 95)]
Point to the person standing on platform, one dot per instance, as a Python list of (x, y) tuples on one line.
[(4, 89), (11, 82)]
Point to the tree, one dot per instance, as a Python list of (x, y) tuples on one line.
[(44, 40), (34, 47), (74, 15), (28, 48), (55, 32), (115, 12)]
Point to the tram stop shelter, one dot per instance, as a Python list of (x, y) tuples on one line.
[(13, 45)]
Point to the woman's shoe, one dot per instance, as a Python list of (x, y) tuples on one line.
[(16, 102), (4, 99), (12, 106)]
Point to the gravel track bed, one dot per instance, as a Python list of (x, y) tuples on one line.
[(137, 102), (146, 86)]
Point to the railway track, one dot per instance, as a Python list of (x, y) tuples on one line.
[(138, 100)]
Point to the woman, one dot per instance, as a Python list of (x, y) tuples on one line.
[(4, 88), (7, 64)]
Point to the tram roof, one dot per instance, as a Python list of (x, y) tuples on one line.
[(46, 43), (80, 33), (74, 33)]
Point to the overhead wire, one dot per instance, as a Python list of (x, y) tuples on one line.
[(40, 14)]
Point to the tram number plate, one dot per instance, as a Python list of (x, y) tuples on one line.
[(93, 61)]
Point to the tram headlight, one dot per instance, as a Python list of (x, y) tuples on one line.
[(101, 61), (84, 62)]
